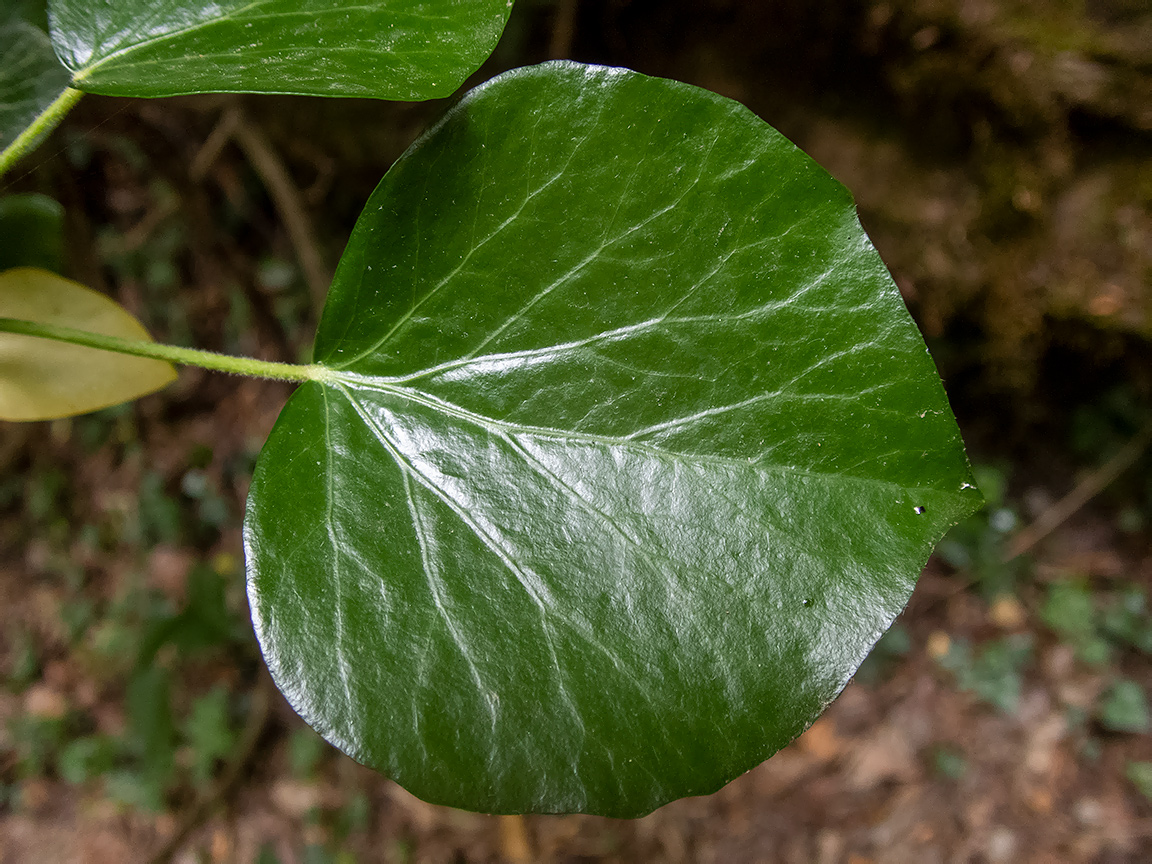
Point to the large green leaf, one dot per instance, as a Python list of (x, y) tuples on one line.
[(389, 49), (30, 76), (629, 453)]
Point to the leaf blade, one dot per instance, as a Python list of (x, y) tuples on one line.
[(415, 49), (604, 522), (43, 379)]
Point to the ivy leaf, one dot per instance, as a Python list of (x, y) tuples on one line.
[(628, 453), (387, 49), (30, 76), (43, 379)]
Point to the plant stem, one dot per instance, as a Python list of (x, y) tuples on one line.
[(44, 123), (170, 353)]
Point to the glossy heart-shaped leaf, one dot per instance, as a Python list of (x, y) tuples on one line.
[(41, 379), (30, 77), (628, 453), (388, 49)]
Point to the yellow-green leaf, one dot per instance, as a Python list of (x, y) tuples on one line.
[(41, 379)]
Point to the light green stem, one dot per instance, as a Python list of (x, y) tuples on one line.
[(44, 123), (170, 353)]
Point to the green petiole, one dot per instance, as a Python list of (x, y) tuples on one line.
[(45, 122), (170, 353)]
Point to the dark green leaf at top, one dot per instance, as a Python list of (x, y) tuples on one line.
[(389, 49), (628, 454)]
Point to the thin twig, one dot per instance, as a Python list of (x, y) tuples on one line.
[(291, 206), (563, 30), (258, 716), (216, 141), (1083, 492), (289, 202)]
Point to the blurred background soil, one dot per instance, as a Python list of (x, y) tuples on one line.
[(1000, 152)]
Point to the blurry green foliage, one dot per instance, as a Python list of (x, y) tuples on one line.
[(1070, 611), (124, 638), (305, 750), (85, 758), (1100, 623), (45, 495), (354, 817), (1126, 620), (11, 490), (159, 517), (1096, 622), (949, 762), (212, 508), (152, 736), (1125, 708), (24, 665), (203, 624), (1140, 775), (209, 733), (994, 672), (976, 546), (77, 614), (156, 262), (114, 639), (97, 429), (36, 741), (314, 853)]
